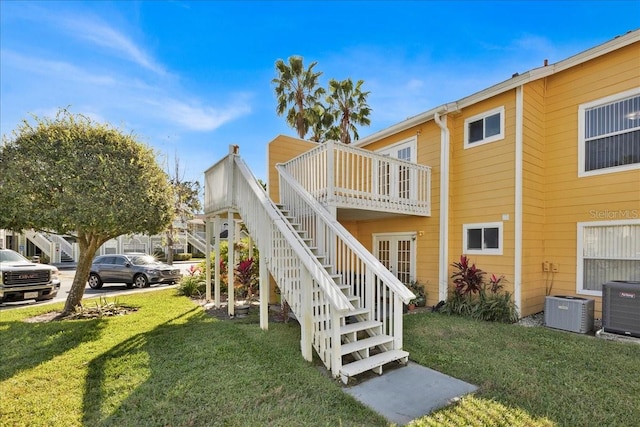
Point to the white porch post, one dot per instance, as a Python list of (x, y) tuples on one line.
[(397, 322), (336, 345), (231, 256), (306, 323), (207, 254), (216, 262), (264, 292)]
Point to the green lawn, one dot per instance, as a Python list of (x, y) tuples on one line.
[(569, 379), (170, 364)]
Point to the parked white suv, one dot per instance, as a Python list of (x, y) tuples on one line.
[(21, 279)]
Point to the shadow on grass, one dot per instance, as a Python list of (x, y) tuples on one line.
[(27, 345), (198, 370)]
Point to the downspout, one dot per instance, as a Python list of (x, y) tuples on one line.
[(517, 269), (443, 271)]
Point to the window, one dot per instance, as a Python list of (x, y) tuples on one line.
[(482, 239), (609, 134), (484, 128), (608, 250)]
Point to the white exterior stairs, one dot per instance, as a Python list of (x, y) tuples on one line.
[(349, 305), (364, 345)]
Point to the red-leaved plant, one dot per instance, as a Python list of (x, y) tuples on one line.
[(474, 297), (467, 278), (245, 276)]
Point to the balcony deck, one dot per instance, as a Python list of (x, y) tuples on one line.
[(362, 184)]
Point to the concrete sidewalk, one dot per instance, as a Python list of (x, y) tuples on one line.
[(409, 392)]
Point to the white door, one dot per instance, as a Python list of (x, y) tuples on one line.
[(397, 253), (395, 180)]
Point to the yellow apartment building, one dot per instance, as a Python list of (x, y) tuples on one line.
[(536, 178)]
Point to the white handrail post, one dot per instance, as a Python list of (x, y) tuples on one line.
[(336, 344), (207, 254), (370, 288), (216, 263), (331, 176), (397, 322), (264, 291), (306, 322), (231, 256)]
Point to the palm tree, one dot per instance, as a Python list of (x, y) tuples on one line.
[(350, 107), (321, 121), (298, 92)]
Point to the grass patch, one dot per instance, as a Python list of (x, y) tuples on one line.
[(171, 364), (569, 379), (168, 364)]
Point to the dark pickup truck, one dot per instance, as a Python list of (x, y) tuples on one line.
[(21, 279)]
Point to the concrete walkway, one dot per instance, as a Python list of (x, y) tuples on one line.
[(406, 393)]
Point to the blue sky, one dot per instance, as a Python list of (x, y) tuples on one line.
[(190, 78)]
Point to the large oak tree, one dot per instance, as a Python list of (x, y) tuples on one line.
[(72, 175)]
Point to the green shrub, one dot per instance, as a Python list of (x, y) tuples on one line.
[(182, 256), (192, 285), (475, 298)]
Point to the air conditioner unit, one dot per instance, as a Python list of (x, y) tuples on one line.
[(621, 308), (569, 313)]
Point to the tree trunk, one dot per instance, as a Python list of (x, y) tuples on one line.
[(88, 247)]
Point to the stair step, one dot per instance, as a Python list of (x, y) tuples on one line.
[(373, 362), (358, 311), (365, 343), (359, 326)]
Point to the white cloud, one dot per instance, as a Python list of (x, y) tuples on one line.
[(101, 34), (195, 117), (54, 70)]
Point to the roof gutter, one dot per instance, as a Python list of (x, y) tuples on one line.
[(443, 273), (514, 82)]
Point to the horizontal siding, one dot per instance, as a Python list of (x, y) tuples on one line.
[(482, 187), (569, 199), (280, 150), (533, 200)]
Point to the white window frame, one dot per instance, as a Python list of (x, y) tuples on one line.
[(483, 251), (392, 150), (483, 116), (580, 250), (581, 134), (391, 179)]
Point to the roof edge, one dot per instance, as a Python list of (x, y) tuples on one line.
[(616, 43)]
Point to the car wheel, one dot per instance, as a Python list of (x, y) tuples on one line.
[(129, 285), (94, 281), (140, 281)]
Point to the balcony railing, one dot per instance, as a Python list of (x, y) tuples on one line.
[(348, 177)]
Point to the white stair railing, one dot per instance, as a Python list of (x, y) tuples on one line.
[(377, 289), (63, 244), (344, 176), (197, 242), (313, 295), (42, 242)]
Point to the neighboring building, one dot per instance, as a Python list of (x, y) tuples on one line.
[(63, 249), (536, 178)]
